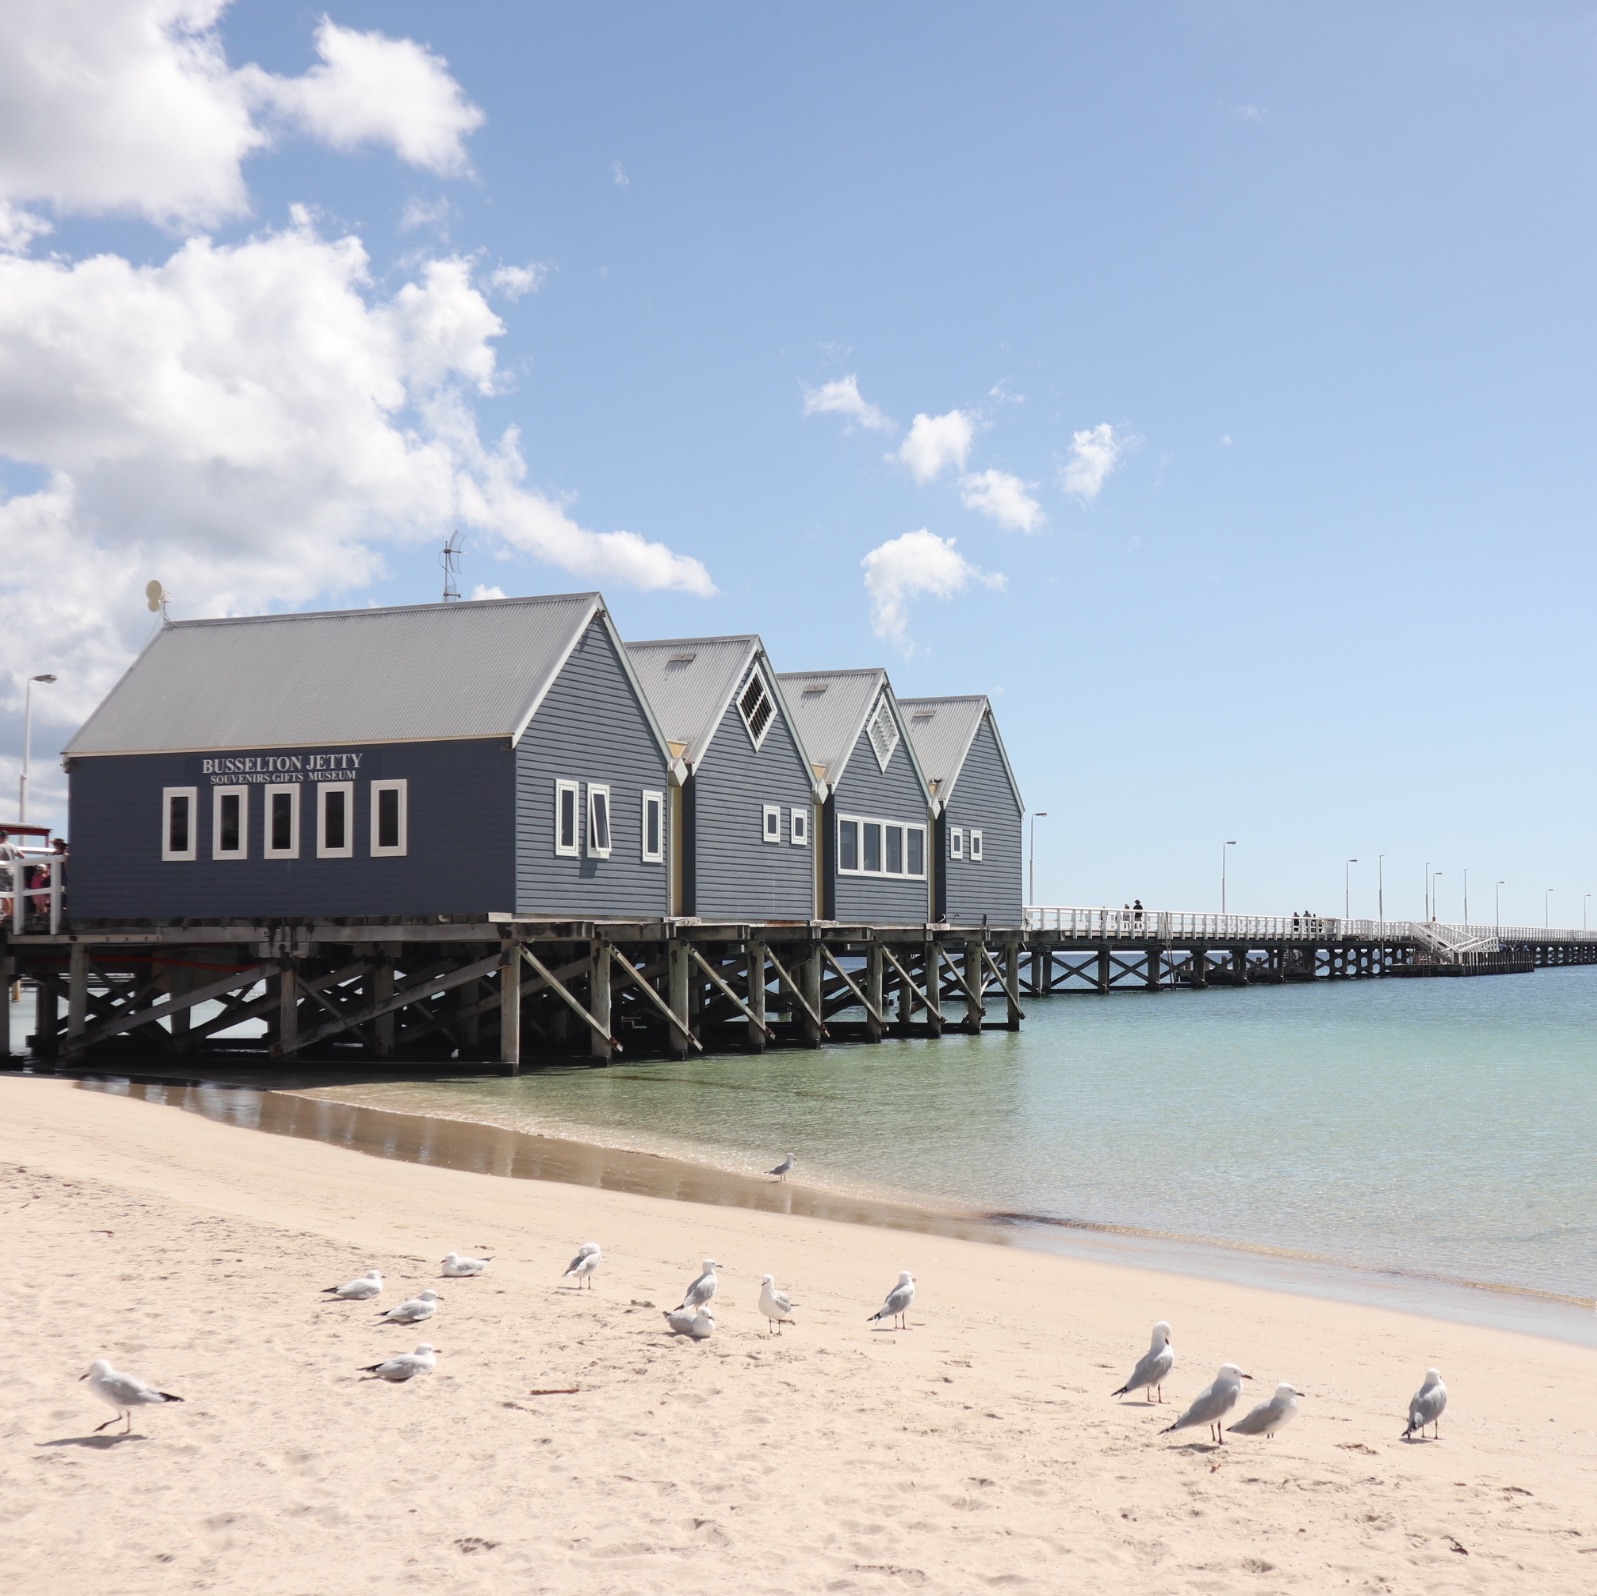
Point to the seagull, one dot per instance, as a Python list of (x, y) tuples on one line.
[(776, 1305), (422, 1306), (456, 1267), (782, 1169), (702, 1289), (897, 1304), (368, 1286), (406, 1366), (586, 1264), (1213, 1402), (124, 1392), (1427, 1405), (697, 1325), (1154, 1369), (1270, 1416)]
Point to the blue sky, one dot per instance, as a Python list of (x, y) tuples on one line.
[(1302, 295)]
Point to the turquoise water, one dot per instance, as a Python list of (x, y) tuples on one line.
[(1440, 1129)]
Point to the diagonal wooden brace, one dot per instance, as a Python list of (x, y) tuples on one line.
[(859, 997), (909, 981), (1003, 985), (959, 979), (624, 965), (170, 1005), (563, 992), (797, 991), (737, 1002)]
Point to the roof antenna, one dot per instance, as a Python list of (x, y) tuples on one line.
[(156, 599), (451, 564)]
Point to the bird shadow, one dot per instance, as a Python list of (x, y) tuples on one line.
[(96, 1443), (1205, 1447)]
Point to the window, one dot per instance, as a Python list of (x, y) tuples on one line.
[(956, 842), (801, 828), (230, 823), (883, 729), (177, 823), (598, 822), (282, 823), (335, 820), (771, 822), (390, 819), (975, 845), (566, 841), (654, 828), (880, 848), (754, 705)]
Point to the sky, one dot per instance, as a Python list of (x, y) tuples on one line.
[(1209, 384)]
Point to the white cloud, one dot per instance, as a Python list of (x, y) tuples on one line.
[(841, 397), (514, 282), (906, 567), (480, 592), (935, 443), (1094, 455), (1004, 497), (425, 213), (1225, 441), (1251, 113), (618, 175)]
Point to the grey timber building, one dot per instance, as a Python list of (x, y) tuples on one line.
[(877, 813), (743, 815), (460, 759), (980, 813)]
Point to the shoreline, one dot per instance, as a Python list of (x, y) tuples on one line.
[(484, 1146)]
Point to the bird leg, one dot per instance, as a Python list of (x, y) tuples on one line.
[(107, 1425)]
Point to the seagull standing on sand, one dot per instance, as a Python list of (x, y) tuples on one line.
[(781, 1170), (1213, 1402), (586, 1264), (702, 1289), (406, 1366), (697, 1324), (422, 1306), (1154, 1369), (1270, 1416), (776, 1305), (368, 1286), (457, 1267), (1427, 1406), (897, 1305), (124, 1392)]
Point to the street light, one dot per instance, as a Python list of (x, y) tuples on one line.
[(1223, 847), (1428, 914), (1435, 913), (1036, 815), (1585, 903), (27, 738), (1466, 897), (1347, 871), (1497, 905), (1380, 900), (1547, 910)]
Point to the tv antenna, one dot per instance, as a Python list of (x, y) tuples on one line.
[(156, 599), (451, 564)]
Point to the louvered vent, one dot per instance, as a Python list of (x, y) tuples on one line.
[(883, 730), (756, 708)]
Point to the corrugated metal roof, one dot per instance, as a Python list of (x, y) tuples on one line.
[(690, 681), (829, 709), (422, 673), (942, 730)]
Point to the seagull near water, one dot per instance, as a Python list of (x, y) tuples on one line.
[(124, 1392), (368, 1286), (1213, 1402), (1427, 1405), (776, 1305), (406, 1366), (702, 1289), (783, 1169), (1154, 1369), (1268, 1417), (422, 1306), (586, 1264), (697, 1324), (458, 1267), (896, 1307)]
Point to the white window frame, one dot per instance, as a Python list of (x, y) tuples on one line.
[(956, 842), (757, 675), (243, 796), (770, 823), (883, 708), (799, 829), (169, 854), (323, 790), (975, 846), (572, 849), (292, 850), (903, 827), (399, 850), (657, 801), (595, 789)]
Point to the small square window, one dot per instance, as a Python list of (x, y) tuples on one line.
[(598, 821), (230, 822), (771, 823), (390, 819), (567, 841), (335, 820), (800, 828), (975, 845), (956, 842), (282, 823), (654, 828), (177, 823)]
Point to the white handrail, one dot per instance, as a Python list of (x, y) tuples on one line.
[(18, 890), (1165, 925)]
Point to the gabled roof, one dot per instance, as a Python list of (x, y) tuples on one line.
[(421, 673), (942, 730), (830, 708)]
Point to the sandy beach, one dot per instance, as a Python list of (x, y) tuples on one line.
[(979, 1450)]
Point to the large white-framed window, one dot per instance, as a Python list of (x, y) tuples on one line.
[(883, 729), (568, 819), (770, 822), (230, 822), (335, 820), (282, 822), (654, 828), (871, 847), (800, 827), (956, 842), (390, 819), (975, 845), (756, 707), (598, 821), (179, 824)]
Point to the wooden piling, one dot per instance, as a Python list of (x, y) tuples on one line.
[(510, 1009), (599, 1001)]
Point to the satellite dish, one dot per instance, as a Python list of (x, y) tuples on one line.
[(154, 597)]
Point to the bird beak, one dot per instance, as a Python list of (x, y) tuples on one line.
[(1247, 1377), (84, 1376)]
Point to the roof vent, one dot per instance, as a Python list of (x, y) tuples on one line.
[(756, 708), (883, 729), (922, 716), (677, 661), (816, 692)]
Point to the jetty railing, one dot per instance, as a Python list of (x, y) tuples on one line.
[(1167, 925), (15, 891)]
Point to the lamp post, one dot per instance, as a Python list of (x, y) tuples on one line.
[(1435, 911), (1466, 898), (1547, 910), (1428, 914), (1380, 902), (1036, 815), (1497, 905), (27, 739), (1223, 847), (1585, 904), (1347, 888)]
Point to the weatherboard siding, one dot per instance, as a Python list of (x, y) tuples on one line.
[(894, 794), (984, 800)]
